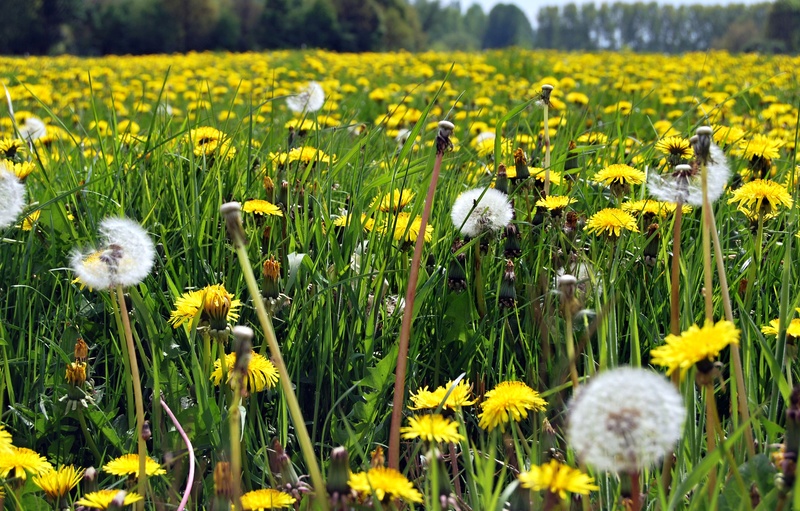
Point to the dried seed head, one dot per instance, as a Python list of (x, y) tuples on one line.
[(231, 212), (443, 142), (81, 350), (223, 480)]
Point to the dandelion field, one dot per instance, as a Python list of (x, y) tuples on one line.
[(552, 271)]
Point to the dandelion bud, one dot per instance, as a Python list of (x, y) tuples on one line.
[(511, 246), (508, 291), (269, 187), (272, 275), (651, 249), (76, 373), (521, 164), (443, 142), (339, 473), (456, 275), (702, 144), (81, 350), (233, 222), (147, 432), (501, 183), (216, 307), (242, 346), (377, 459), (223, 480), (89, 481)]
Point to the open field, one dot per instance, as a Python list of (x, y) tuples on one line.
[(166, 140)]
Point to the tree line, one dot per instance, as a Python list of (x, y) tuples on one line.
[(97, 27)]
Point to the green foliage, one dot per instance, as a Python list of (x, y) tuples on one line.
[(507, 26)]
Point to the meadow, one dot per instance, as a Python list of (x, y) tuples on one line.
[(577, 230)]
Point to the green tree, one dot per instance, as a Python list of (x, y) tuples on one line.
[(507, 26), (783, 24)]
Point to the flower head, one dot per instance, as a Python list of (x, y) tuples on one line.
[(481, 210), (206, 141), (652, 207), (694, 345), (76, 373), (385, 484), (216, 303), (405, 228), (102, 499), (792, 329), (261, 372), (619, 174), (12, 197), (56, 484), (555, 203), (761, 196), (304, 155), (125, 259), (393, 201), (431, 428), (309, 99), (611, 221), (539, 174), (684, 183), (557, 478), (21, 170), (5, 440), (261, 207), (677, 148), (760, 146), (625, 420), (22, 460), (459, 396), (266, 498), (128, 465), (508, 401)]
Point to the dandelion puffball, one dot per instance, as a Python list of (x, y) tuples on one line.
[(625, 420), (12, 197), (125, 257), (686, 187), (481, 210), (309, 99)]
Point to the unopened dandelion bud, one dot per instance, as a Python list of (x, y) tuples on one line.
[(231, 212), (272, 275), (242, 346), (339, 473), (269, 187), (89, 481), (377, 458), (223, 481), (283, 194), (521, 165), (81, 350), (508, 291), (76, 373), (702, 144), (651, 249), (456, 275), (511, 244), (118, 501), (501, 183), (216, 307), (443, 142)]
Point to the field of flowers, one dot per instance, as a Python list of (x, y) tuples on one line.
[(207, 258)]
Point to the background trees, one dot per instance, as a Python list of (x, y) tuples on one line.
[(150, 26)]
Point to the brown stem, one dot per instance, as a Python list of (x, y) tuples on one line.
[(636, 492), (675, 274), (405, 328), (711, 435)]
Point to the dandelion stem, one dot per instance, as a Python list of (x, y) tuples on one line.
[(756, 261), (571, 355), (708, 282), (234, 225), (480, 295), (711, 439), (89, 440), (141, 483), (738, 370), (185, 437), (546, 151), (408, 313), (236, 447), (675, 273)]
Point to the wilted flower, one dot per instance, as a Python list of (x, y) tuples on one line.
[(125, 259), (481, 210), (309, 99), (625, 420)]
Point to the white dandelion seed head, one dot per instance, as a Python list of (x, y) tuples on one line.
[(12, 197), (625, 420), (309, 99), (402, 137), (33, 129), (689, 190), (125, 258), (481, 210)]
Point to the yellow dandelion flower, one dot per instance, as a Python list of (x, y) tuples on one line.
[(393, 201), (694, 345), (11, 147), (211, 300), (5, 440), (539, 174), (653, 207), (460, 396), (611, 221), (727, 135), (30, 220), (206, 141), (677, 147), (385, 484), (21, 170), (305, 155), (56, 484), (406, 229), (367, 223), (261, 372), (102, 499), (619, 174), (593, 138), (261, 207), (266, 498), (508, 401), (792, 329), (577, 98), (760, 146), (22, 460), (557, 478), (761, 196), (431, 428), (128, 465), (554, 202)]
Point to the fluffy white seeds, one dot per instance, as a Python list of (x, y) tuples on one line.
[(668, 188), (481, 210), (309, 99), (12, 197), (33, 129), (625, 420), (125, 258)]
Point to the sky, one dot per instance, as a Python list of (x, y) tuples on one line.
[(531, 7)]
